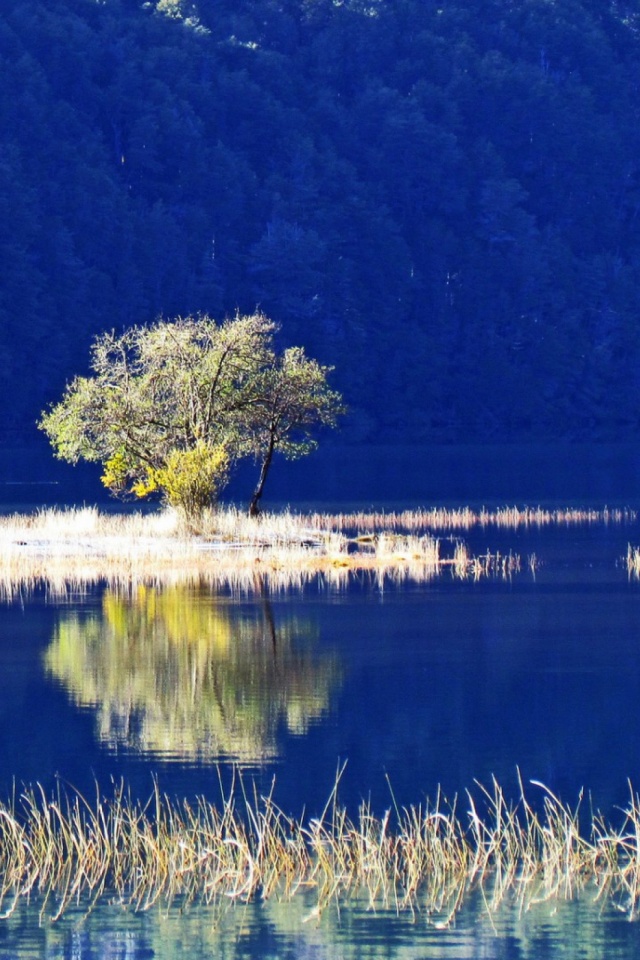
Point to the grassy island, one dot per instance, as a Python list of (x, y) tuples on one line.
[(79, 546)]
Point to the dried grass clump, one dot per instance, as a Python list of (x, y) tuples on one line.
[(633, 561), (468, 567), (425, 859)]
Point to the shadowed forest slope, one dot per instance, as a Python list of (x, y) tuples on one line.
[(440, 199)]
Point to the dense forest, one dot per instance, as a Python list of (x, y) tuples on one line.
[(441, 198)]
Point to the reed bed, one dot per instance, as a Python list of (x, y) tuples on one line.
[(503, 565), (465, 518), (64, 849), (69, 550)]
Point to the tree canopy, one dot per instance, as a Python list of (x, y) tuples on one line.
[(169, 408)]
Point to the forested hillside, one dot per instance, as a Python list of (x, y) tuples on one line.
[(442, 199)]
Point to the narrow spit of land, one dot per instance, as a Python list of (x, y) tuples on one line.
[(83, 546)]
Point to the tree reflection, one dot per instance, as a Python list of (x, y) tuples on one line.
[(180, 672)]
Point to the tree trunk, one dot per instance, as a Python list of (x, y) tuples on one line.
[(254, 506)]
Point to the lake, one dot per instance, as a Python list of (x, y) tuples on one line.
[(415, 685)]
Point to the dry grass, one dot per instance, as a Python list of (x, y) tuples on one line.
[(633, 561), (466, 566), (64, 849), (440, 519), (69, 550)]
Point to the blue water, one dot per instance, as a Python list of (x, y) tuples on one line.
[(386, 477), (275, 931), (413, 686)]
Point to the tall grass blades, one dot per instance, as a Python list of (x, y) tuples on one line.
[(66, 849), (438, 519)]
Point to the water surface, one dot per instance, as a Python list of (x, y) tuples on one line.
[(413, 685)]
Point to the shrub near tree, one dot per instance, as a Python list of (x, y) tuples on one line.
[(171, 407)]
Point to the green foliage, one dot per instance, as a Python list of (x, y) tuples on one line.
[(172, 406), (293, 400)]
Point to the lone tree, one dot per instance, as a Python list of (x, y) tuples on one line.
[(171, 407)]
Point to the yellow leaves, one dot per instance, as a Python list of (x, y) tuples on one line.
[(191, 479), (116, 476), (115, 472), (143, 488)]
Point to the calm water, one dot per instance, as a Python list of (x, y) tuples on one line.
[(283, 932), (388, 477), (417, 685)]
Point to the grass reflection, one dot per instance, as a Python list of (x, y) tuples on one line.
[(276, 929), (179, 672)]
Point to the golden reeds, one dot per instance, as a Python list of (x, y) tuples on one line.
[(69, 550), (63, 849), (467, 566), (465, 518)]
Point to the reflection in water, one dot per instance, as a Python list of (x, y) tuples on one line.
[(178, 672), (286, 932)]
